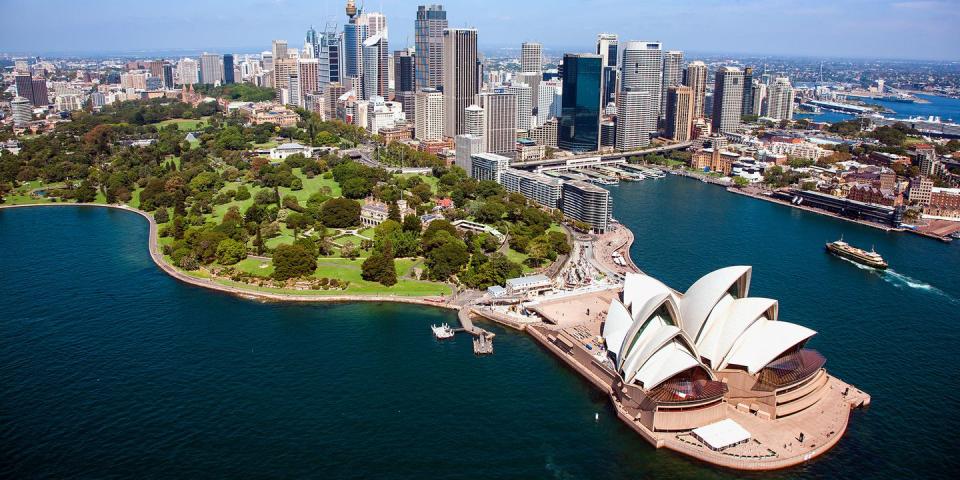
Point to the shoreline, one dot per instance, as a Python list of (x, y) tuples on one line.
[(209, 284)]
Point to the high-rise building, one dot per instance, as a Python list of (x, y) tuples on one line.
[(696, 79), (312, 43), (167, 75), (228, 69), (155, 67), (404, 71), (188, 71), (580, 115), (780, 99), (488, 166), (33, 89), (467, 145), (747, 106), (22, 109), (636, 118), (641, 79), (309, 72), (476, 121), (211, 69), (376, 24), (279, 49), (672, 76), (524, 96), (538, 187), (547, 102), (727, 99), (460, 77), (531, 57), (531, 80), (587, 203), (679, 113), (282, 69), (429, 26), (759, 98), (355, 32), (294, 90), (428, 125), (134, 80), (499, 121), (608, 49), (375, 65)]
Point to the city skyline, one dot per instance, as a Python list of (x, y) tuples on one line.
[(919, 30)]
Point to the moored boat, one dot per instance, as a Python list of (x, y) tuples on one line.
[(442, 332)]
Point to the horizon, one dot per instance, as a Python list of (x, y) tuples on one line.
[(918, 30)]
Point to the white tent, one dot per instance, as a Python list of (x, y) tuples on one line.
[(722, 434)]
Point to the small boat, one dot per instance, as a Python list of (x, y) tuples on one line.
[(843, 249), (442, 332)]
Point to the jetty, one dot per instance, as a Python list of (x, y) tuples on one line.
[(482, 339)]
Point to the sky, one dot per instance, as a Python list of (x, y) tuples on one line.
[(904, 29)]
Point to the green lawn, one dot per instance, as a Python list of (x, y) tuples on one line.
[(310, 186), (517, 257), (349, 270), (185, 124), (265, 145)]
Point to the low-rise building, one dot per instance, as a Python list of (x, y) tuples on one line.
[(488, 166), (887, 159), (281, 152), (944, 202), (713, 160), (528, 150), (529, 284)]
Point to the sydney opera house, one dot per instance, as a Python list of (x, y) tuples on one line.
[(712, 373)]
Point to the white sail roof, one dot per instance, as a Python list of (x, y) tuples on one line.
[(700, 298), (637, 289), (670, 360), (763, 341), (615, 328), (727, 323)]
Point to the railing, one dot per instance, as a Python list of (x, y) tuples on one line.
[(789, 369)]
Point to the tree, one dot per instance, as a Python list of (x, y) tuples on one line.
[(740, 182), (412, 224), (296, 222), (85, 193), (242, 193), (161, 215), (380, 267), (448, 256), (393, 212), (292, 261), (340, 213), (230, 251), (355, 187)]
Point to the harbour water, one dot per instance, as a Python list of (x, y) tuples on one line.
[(948, 109), (112, 369)]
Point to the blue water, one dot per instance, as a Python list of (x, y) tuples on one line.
[(948, 109), (111, 369)]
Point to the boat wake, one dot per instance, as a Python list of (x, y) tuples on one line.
[(900, 280)]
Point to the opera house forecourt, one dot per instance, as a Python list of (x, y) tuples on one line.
[(711, 373)]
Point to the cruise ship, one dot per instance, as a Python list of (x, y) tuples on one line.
[(863, 257)]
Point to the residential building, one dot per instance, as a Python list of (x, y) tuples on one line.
[(460, 77), (588, 203), (580, 114), (22, 111), (727, 99), (309, 72), (540, 188), (476, 121), (780, 99), (488, 166), (134, 80), (188, 71), (636, 119)]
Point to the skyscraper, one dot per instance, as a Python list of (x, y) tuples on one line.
[(679, 112), (476, 122), (375, 67), (607, 48), (500, 122), (780, 99), (531, 57), (636, 118), (187, 69), (309, 72), (696, 79), (330, 59), (580, 115), (460, 77), (279, 49), (282, 69), (211, 69), (404, 80), (294, 90), (354, 34), (672, 76), (429, 26), (429, 116), (376, 24), (33, 89), (727, 99), (747, 106), (22, 110), (641, 71), (167, 75), (524, 96), (312, 42), (228, 69)]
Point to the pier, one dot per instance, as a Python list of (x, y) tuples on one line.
[(482, 339)]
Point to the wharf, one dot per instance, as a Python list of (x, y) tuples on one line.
[(482, 339)]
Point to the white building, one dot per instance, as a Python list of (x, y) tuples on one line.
[(188, 72), (428, 125), (524, 104), (636, 119), (281, 152), (780, 99), (467, 146)]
